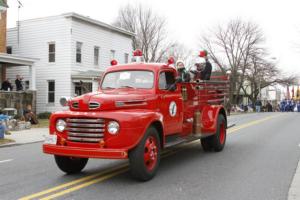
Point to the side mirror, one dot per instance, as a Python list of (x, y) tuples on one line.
[(64, 101)]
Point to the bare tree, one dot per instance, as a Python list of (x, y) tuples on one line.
[(179, 52), (263, 74), (150, 29), (259, 74), (231, 48)]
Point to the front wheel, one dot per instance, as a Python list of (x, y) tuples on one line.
[(70, 165), (144, 159)]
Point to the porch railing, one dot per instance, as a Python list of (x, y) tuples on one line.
[(18, 100)]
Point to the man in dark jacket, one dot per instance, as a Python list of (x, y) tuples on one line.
[(18, 82), (206, 72), (6, 85)]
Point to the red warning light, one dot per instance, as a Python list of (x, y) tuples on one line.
[(113, 62), (138, 52), (171, 61), (203, 54)]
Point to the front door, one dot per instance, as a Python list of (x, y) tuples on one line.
[(82, 88), (170, 103)]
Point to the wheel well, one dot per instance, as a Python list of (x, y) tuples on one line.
[(223, 112), (158, 126)]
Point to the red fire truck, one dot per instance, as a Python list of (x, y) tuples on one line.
[(139, 110)]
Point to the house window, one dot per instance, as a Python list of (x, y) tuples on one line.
[(9, 50), (51, 91), (126, 57), (27, 84), (96, 55), (51, 50), (112, 54), (78, 51)]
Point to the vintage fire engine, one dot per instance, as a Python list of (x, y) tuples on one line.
[(139, 110)]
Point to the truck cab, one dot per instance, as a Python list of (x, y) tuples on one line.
[(139, 110)]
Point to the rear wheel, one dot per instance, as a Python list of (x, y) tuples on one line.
[(219, 139), (70, 165), (144, 159), (206, 143)]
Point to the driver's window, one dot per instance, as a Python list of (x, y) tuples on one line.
[(166, 79)]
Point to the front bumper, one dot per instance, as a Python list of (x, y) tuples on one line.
[(85, 152)]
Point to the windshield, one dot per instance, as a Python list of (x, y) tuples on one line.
[(128, 79)]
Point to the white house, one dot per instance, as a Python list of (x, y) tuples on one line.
[(271, 93), (73, 51)]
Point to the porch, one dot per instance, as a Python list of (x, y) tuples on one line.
[(18, 99), (10, 60)]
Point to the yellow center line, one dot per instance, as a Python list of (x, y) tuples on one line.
[(77, 187), (97, 180), (73, 182), (65, 185), (234, 129), (109, 173)]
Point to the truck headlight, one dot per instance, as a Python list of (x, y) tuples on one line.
[(113, 127), (61, 125)]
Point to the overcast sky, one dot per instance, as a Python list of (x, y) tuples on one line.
[(187, 19)]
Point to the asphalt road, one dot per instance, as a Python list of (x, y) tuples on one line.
[(258, 163)]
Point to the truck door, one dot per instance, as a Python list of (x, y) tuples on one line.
[(170, 102)]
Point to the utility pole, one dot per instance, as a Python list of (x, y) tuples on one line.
[(18, 22)]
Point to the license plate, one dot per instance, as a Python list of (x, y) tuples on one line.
[(50, 139)]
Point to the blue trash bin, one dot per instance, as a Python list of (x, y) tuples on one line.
[(3, 118), (2, 130)]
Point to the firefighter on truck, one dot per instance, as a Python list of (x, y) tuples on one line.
[(139, 110)]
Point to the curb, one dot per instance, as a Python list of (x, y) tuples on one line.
[(12, 144), (294, 192)]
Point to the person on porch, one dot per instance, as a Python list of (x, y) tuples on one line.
[(6, 85), (19, 83)]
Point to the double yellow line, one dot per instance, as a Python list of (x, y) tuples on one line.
[(109, 173), (103, 175), (88, 180)]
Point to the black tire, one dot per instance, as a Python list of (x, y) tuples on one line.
[(206, 144), (70, 165), (140, 168), (219, 139)]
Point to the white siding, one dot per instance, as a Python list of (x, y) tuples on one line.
[(34, 38), (11, 72), (91, 36), (65, 32)]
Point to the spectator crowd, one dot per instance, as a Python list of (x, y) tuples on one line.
[(289, 105)]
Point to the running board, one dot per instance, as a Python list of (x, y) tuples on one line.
[(177, 140), (230, 125)]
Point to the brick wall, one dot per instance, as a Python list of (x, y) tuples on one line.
[(3, 32), (3, 42)]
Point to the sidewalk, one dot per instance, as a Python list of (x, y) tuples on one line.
[(26, 136)]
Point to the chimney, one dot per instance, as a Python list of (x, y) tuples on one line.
[(3, 6)]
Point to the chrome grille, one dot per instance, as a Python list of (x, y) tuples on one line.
[(94, 105), (85, 130)]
